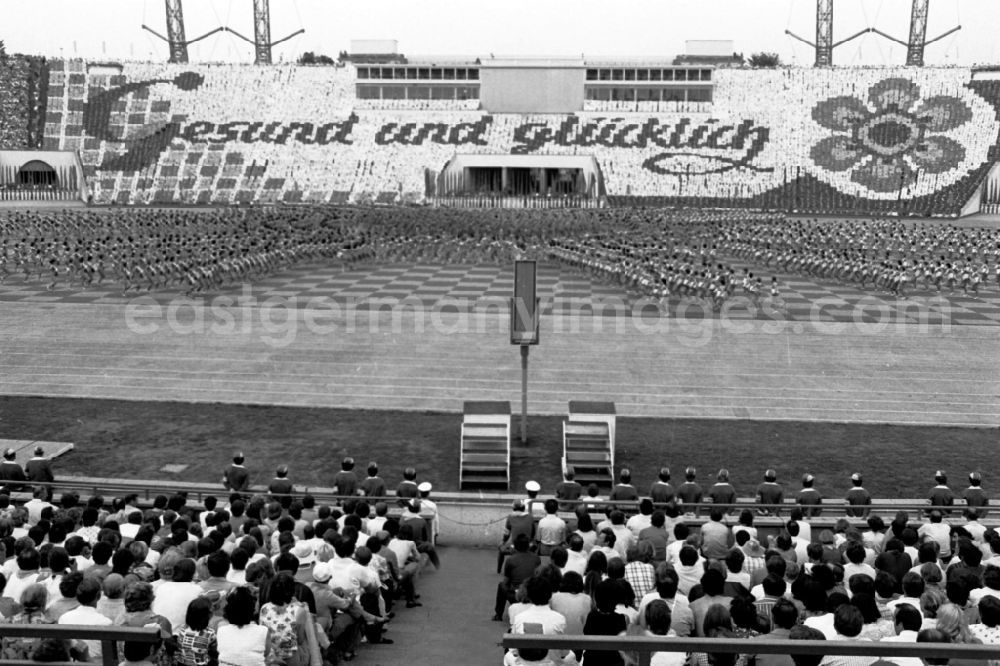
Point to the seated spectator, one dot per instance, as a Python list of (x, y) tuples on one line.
[(33, 601), (604, 621)]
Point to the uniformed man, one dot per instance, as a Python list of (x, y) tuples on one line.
[(941, 494), (975, 496), (345, 482), (429, 508), (858, 496), (10, 471), (770, 492), (624, 491), (280, 487), (236, 477), (690, 491), (722, 492), (407, 488), (373, 485), (39, 471), (809, 498), (661, 491)]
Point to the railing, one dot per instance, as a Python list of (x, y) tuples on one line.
[(40, 194), (644, 646), (513, 201), (197, 492), (109, 637)]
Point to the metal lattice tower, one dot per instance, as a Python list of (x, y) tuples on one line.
[(918, 33), (824, 33), (262, 32), (175, 31)]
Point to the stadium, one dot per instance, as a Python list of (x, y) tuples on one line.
[(557, 300)]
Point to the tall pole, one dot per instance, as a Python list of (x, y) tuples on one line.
[(918, 33), (824, 33), (524, 394), (262, 32), (175, 31)]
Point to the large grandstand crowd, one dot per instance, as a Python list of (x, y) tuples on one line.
[(255, 579), (933, 577), (831, 141)]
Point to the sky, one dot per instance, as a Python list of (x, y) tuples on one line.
[(609, 28)]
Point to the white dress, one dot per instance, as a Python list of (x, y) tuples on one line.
[(241, 646)]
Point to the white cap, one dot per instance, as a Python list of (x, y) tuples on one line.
[(303, 552), (321, 572), (425, 487), (532, 486)]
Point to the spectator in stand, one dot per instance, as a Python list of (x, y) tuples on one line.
[(713, 584), (938, 532), (754, 554), (236, 477), (975, 497), (571, 602), (112, 601), (568, 490), (638, 571), (783, 617), (656, 536), (988, 629), (33, 601), (540, 614), (893, 559), (373, 485), (809, 498), (745, 524), (659, 621), (907, 621), (722, 492), (517, 568), (623, 536), (857, 496), (585, 528), (551, 529), (241, 640), (661, 492), (770, 492), (716, 538), (576, 558), (196, 639), (281, 488), (87, 593), (604, 621), (689, 493), (345, 482), (640, 521), (941, 495), (737, 580)]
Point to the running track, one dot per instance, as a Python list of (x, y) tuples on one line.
[(320, 341)]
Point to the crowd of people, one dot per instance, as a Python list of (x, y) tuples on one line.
[(707, 255), (926, 578), (21, 89), (254, 579), (708, 164)]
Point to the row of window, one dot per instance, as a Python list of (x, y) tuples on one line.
[(407, 91), (648, 74), (649, 94), (417, 73)]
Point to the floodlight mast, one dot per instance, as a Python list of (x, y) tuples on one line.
[(824, 44), (175, 32), (918, 34)]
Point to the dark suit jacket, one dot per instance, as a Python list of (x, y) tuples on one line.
[(40, 470)]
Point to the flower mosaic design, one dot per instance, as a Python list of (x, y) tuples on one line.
[(887, 141)]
